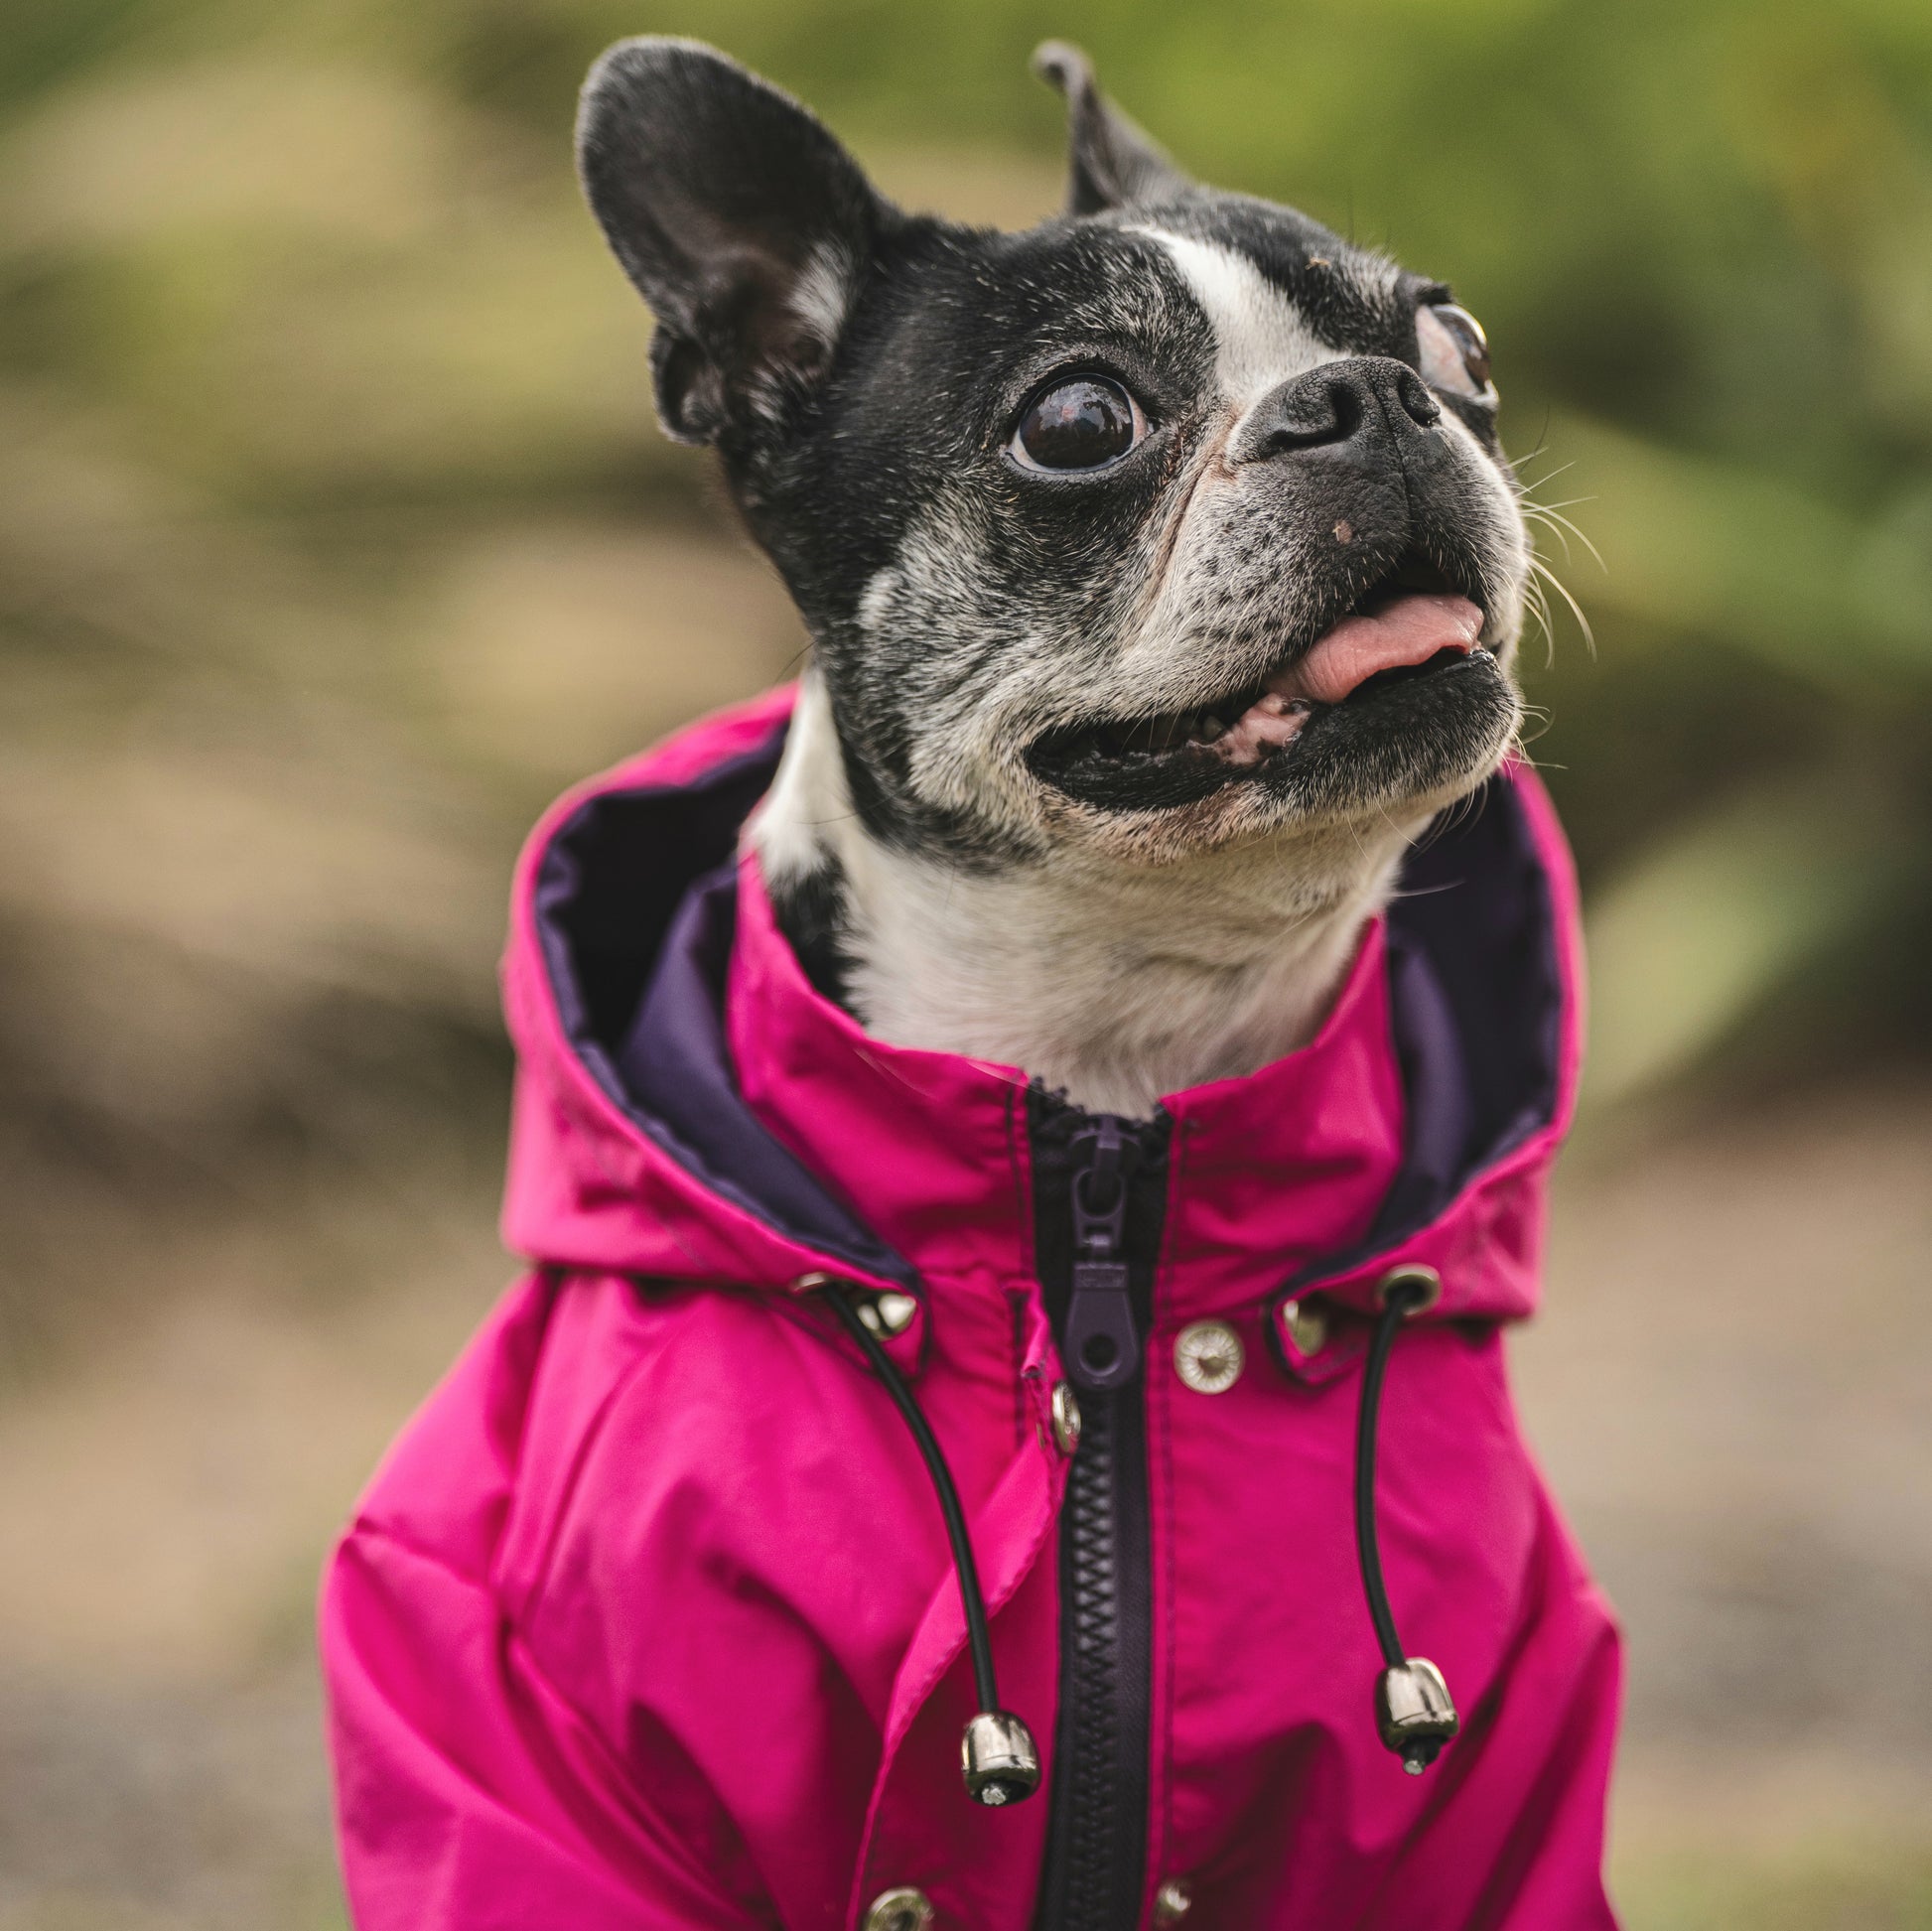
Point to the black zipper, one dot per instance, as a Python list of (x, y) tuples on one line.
[(1099, 1198)]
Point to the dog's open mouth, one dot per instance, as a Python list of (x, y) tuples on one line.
[(1410, 625)]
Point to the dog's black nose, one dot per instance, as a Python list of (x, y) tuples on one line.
[(1365, 400)]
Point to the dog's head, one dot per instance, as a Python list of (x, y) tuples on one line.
[(1171, 524)]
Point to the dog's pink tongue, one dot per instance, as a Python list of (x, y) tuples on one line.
[(1409, 630)]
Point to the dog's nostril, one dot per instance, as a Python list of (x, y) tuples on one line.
[(1418, 404), (1318, 409), (1314, 416), (1344, 405), (1337, 403)]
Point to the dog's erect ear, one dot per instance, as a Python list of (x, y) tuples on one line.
[(1111, 163), (743, 223)]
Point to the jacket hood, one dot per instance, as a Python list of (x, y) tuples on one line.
[(634, 1149)]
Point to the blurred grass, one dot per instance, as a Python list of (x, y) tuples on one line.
[(1849, 1883)]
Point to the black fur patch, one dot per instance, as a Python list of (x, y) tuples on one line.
[(810, 909), (963, 608)]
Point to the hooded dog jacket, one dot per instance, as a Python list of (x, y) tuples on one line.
[(650, 1618)]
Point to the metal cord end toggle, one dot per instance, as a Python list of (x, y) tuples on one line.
[(1414, 1712), (999, 1758)]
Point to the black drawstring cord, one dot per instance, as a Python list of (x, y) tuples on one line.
[(1394, 1311), (978, 1640), (999, 1758), (1413, 1709)]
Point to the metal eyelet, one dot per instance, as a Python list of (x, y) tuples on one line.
[(887, 1315), (1305, 1324), (1412, 1275)]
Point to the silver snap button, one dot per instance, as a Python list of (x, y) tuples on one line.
[(1067, 1419), (1306, 1325), (899, 1909), (1209, 1356), (1173, 1901)]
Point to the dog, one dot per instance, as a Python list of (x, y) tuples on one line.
[(1089, 1059), (1161, 566)]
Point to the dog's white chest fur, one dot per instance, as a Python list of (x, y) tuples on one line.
[(1113, 984)]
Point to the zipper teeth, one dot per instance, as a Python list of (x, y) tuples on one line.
[(1093, 1739), (1096, 1849)]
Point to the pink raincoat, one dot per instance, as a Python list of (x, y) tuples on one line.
[(649, 1620)]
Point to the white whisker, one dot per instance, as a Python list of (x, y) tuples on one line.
[(1547, 513), (1556, 583)]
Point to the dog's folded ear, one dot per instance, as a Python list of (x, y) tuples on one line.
[(1111, 163), (744, 225)]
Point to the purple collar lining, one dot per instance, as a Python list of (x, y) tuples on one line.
[(635, 910)]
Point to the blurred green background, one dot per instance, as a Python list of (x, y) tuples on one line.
[(334, 536)]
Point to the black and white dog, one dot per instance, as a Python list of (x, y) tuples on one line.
[(1161, 564)]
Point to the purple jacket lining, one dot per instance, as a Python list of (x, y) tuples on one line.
[(635, 908)]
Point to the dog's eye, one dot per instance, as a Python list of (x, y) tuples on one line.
[(1082, 424), (1454, 350)]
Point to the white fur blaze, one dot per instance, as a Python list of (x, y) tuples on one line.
[(1261, 338)]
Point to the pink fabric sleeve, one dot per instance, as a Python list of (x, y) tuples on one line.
[(471, 1796)]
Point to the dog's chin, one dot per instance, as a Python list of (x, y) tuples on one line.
[(1406, 740)]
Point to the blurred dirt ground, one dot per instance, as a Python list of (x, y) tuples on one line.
[(1731, 1389)]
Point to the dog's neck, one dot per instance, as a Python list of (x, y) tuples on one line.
[(1112, 983)]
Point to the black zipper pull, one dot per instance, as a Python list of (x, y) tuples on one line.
[(1103, 1350)]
